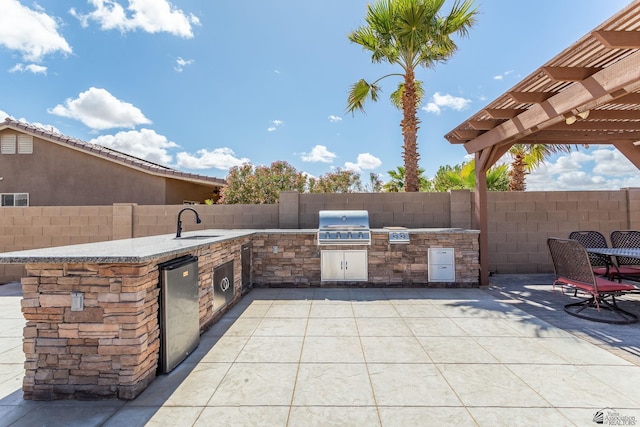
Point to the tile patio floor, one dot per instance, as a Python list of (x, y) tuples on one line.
[(505, 355)]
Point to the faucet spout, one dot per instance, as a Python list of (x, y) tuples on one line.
[(179, 225)]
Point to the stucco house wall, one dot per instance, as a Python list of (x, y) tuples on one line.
[(62, 171)]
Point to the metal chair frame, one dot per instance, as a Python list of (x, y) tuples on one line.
[(626, 239), (573, 269)]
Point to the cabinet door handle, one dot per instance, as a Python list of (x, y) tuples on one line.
[(346, 266), (340, 265)]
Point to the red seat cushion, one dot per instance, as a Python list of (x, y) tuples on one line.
[(604, 285)]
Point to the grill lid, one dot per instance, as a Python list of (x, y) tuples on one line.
[(344, 227), (343, 219)]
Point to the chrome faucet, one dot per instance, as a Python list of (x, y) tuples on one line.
[(179, 226)]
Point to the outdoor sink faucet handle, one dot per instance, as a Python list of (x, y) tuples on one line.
[(179, 225)]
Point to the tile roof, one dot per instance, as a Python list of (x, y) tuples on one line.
[(109, 153)]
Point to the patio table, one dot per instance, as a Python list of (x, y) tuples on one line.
[(626, 252)]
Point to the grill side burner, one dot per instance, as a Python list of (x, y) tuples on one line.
[(343, 227), (398, 235)]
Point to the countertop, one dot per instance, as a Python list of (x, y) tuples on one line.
[(141, 249)]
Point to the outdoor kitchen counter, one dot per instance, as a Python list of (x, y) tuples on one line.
[(92, 328), (142, 249)]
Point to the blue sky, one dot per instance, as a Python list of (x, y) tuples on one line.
[(205, 85)]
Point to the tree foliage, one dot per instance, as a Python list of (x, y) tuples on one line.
[(526, 158), (247, 184), (463, 177), (396, 184), (410, 34)]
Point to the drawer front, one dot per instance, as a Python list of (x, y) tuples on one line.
[(441, 256), (442, 273)]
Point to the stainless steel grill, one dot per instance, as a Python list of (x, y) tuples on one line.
[(344, 227)]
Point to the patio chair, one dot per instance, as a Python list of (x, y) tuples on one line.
[(627, 239), (602, 265), (573, 270)]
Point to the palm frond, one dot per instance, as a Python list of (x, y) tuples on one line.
[(359, 93)]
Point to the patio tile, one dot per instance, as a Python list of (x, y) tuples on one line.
[(252, 310), (579, 352), (490, 385), (277, 326), (226, 349), (271, 349), (242, 327), (433, 327), (569, 386), (168, 416), (325, 310), (425, 415), (377, 310), (243, 416), (418, 310), (336, 416), (332, 326), (394, 350), (521, 417), (520, 350), (486, 327), (384, 327), (397, 384), (198, 387), (455, 350), (332, 350), (256, 384), (288, 310), (333, 384)]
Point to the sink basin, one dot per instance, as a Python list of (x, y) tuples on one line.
[(197, 237)]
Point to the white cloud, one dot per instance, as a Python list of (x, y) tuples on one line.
[(334, 119), (145, 143), (34, 68), (152, 16), (503, 75), (319, 153), (30, 31), (598, 169), (181, 63), (220, 158), (439, 101), (365, 161), (98, 109), (276, 125), (4, 115)]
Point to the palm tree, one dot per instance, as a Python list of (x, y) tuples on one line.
[(408, 33), (396, 184), (527, 157), (463, 176)]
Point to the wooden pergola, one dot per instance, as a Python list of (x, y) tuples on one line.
[(588, 94)]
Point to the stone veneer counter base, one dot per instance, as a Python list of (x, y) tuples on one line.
[(110, 347)]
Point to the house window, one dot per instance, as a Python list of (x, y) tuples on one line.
[(25, 144), (14, 199), (8, 144)]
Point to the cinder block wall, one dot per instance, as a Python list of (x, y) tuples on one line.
[(519, 222)]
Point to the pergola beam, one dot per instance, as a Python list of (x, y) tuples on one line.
[(618, 39)]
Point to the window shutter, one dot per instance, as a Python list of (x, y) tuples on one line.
[(25, 144), (8, 144)]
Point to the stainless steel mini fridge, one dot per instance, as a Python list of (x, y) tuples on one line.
[(179, 311)]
